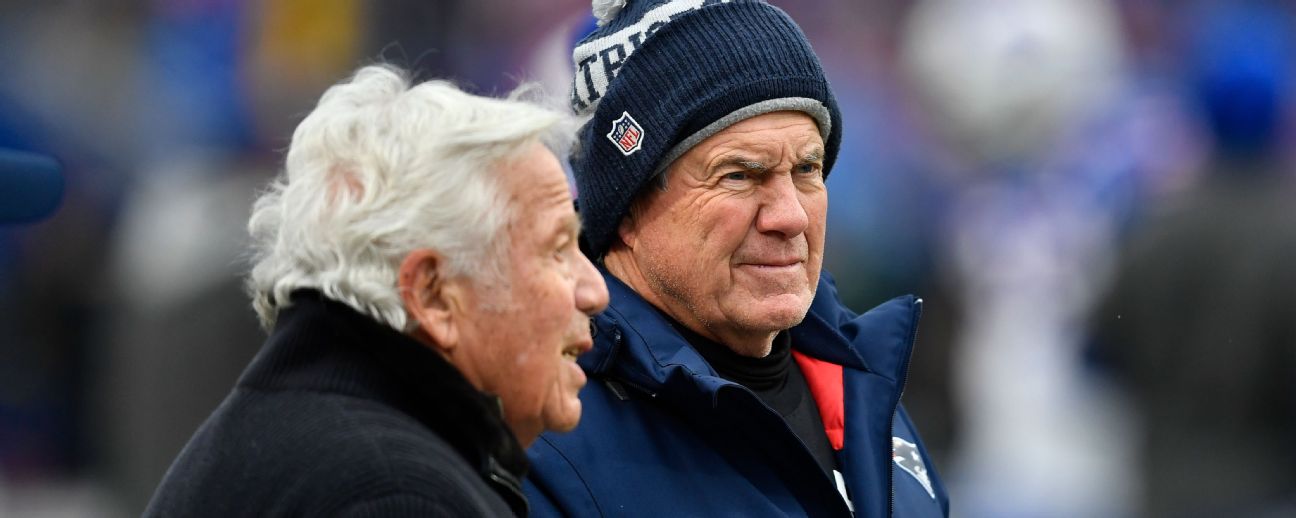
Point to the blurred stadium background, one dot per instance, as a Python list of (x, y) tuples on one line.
[(1092, 196)]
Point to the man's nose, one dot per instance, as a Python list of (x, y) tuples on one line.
[(781, 210), (591, 291)]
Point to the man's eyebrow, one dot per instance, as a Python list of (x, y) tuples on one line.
[(571, 225), (749, 164), (813, 156)]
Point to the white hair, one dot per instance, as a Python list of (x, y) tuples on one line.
[(381, 168)]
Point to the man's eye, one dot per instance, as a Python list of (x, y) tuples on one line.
[(737, 176), (808, 168), (564, 250)]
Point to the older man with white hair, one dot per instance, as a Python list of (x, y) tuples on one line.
[(417, 264)]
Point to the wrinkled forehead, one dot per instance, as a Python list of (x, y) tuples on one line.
[(534, 180), (801, 110), (763, 140)]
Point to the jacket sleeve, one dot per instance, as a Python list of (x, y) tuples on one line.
[(554, 487)]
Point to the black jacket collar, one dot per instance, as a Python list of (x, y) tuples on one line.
[(323, 345)]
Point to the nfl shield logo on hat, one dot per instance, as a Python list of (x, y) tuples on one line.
[(626, 134)]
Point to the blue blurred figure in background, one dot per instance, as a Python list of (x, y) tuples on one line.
[(31, 186), (34, 422), (1200, 322)]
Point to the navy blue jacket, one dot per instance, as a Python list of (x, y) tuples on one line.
[(662, 435)]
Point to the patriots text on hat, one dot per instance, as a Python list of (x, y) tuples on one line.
[(597, 61)]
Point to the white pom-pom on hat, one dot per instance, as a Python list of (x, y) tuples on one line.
[(606, 10)]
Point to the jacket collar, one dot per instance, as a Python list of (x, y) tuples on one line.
[(635, 342), (879, 341), (323, 345), (630, 318)]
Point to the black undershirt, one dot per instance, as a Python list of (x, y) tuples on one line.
[(777, 380)]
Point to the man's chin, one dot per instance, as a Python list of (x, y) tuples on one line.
[(566, 427), (567, 422), (780, 312)]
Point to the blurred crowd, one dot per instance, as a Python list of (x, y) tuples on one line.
[(1092, 196)]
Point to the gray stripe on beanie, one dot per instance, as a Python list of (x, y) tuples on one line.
[(815, 109), (596, 65)]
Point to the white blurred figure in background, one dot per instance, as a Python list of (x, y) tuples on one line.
[(1029, 238)]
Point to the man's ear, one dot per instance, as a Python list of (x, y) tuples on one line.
[(431, 298), (628, 229)]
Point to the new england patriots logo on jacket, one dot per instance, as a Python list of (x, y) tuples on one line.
[(905, 454)]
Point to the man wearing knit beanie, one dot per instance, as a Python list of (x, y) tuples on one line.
[(726, 376)]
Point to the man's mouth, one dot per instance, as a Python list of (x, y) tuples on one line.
[(773, 263), (576, 349)]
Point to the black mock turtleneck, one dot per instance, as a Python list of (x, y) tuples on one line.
[(777, 380)]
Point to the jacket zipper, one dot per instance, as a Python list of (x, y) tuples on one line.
[(904, 381), (505, 480)]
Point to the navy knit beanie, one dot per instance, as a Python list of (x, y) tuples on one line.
[(661, 76)]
